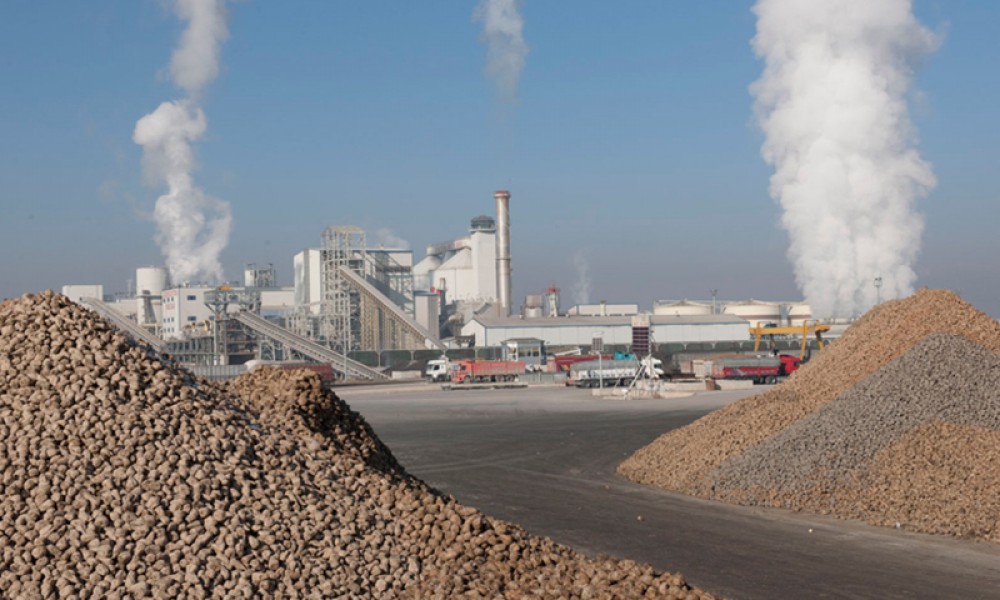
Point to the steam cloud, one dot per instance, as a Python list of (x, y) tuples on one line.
[(832, 105), (192, 227), (386, 238), (581, 289), (503, 31)]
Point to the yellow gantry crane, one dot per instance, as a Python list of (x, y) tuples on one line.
[(808, 328)]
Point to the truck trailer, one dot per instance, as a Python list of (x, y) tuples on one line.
[(759, 369), (482, 371), (613, 373)]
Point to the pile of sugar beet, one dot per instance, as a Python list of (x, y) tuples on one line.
[(897, 423), (123, 475)]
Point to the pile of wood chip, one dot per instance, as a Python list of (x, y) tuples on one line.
[(122, 475), (897, 423)]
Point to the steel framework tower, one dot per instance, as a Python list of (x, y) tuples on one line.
[(340, 307)]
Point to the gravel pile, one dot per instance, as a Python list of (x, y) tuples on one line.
[(122, 475), (831, 438), (821, 462)]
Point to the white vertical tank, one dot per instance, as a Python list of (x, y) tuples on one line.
[(149, 285), (151, 281)]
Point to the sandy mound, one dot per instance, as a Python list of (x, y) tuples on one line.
[(924, 364)]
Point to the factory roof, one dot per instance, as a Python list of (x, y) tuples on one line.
[(608, 321)]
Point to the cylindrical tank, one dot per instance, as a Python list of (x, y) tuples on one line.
[(755, 311), (683, 308), (502, 198), (532, 312), (799, 313), (151, 281)]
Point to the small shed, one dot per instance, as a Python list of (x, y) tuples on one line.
[(529, 350)]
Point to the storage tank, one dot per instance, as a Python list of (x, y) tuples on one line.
[(151, 281), (532, 312), (755, 311), (798, 314), (683, 308), (149, 285)]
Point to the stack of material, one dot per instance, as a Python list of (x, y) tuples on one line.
[(123, 475), (897, 423)]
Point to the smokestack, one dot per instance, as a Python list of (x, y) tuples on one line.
[(503, 250)]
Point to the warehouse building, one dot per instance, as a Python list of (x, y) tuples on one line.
[(577, 331)]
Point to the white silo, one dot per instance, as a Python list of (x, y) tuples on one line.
[(149, 285), (682, 308), (756, 312), (151, 281), (799, 313)]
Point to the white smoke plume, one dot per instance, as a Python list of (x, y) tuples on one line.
[(832, 103), (581, 288), (192, 227), (503, 32)]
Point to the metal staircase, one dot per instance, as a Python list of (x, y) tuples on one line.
[(340, 363)]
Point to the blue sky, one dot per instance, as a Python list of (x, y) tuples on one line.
[(632, 142)]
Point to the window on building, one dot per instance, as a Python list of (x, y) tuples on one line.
[(192, 297)]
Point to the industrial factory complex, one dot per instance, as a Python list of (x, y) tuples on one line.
[(358, 307)]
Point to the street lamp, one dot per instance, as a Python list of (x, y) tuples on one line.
[(878, 289)]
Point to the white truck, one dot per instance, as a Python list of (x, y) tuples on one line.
[(438, 369), (614, 373)]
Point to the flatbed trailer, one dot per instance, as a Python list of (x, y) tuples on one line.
[(495, 385)]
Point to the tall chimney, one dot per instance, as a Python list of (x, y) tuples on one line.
[(503, 251)]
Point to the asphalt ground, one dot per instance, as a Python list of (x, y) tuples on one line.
[(545, 458)]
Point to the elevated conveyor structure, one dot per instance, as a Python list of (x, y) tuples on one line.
[(396, 328), (125, 324), (307, 347)]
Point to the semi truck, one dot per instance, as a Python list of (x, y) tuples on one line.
[(482, 371), (760, 369), (613, 373)]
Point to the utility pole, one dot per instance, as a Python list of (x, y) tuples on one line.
[(878, 289)]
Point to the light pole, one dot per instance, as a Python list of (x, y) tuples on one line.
[(714, 292), (597, 344), (878, 289)]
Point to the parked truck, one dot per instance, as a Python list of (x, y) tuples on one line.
[(483, 371), (760, 369), (438, 369), (613, 373)]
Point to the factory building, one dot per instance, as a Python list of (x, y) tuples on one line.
[(756, 312), (580, 331), (77, 292), (464, 269), (682, 308), (184, 313), (603, 309)]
